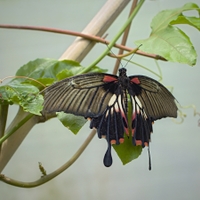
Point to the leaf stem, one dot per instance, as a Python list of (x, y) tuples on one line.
[(143, 67)]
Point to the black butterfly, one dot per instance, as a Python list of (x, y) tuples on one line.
[(104, 99)]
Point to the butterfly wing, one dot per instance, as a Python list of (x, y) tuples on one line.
[(153, 97), (103, 98), (85, 95)]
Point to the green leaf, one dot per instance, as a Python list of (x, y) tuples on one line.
[(63, 74), (25, 95), (33, 104), (25, 91), (169, 41), (97, 69), (165, 17), (192, 21), (72, 122), (126, 151), (46, 70)]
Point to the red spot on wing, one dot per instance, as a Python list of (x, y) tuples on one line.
[(133, 131), (139, 142), (121, 140), (108, 78), (113, 142), (125, 123), (135, 80)]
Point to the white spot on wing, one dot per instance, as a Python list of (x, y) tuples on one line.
[(133, 104), (119, 100), (111, 111), (137, 107), (107, 113), (116, 107), (112, 100)]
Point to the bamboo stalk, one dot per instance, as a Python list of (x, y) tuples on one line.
[(3, 120), (98, 25)]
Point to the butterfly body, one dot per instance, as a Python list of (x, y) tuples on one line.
[(104, 98)]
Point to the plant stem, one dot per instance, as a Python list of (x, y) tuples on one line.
[(52, 175), (159, 75), (15, 128), (83, 35), (21, 128)]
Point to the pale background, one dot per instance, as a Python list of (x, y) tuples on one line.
[(174, 148)]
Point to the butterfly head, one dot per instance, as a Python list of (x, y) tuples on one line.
[(122, 72)]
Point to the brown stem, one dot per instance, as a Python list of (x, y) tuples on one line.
[(94, 38)]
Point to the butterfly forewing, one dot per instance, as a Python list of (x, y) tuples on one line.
[(85, 95), (157, 101)]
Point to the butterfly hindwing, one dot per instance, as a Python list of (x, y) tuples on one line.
[(141, 124), (111, 125)]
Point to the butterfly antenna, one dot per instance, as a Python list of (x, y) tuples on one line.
[(132, 54), (149, 154)]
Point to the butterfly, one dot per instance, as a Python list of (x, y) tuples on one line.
[(104, 98)]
